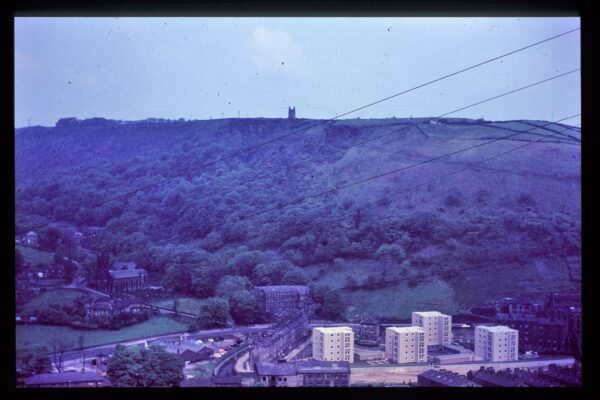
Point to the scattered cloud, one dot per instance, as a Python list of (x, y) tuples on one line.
[(276, 49)]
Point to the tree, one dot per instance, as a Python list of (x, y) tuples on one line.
[(271, 272), (58, 346), (178, 279), (230, 284), (81, 342), (33, 361), (18, 261), (390, 255), (153, 367), (295, 276), (214, 313), (331, 305), (245, 308)]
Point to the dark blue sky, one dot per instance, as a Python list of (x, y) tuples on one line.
[(195, 68)]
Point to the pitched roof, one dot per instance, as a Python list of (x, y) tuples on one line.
[(118, 265), (275, 369), (64, 377), (235, 379), (448, 378), (284, 288), (127, 273), (322, 366)]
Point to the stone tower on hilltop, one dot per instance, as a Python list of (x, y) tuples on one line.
[(291, 112)]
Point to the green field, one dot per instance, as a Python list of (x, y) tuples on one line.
[(36, 335), (400, 301), (335, 275), (35, 256), (54, 298), (189, 305)]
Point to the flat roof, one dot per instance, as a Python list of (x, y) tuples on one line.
[(405, 329), (336, 329), (496, 329), (429, 313)]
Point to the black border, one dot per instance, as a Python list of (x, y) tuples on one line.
[(308, 8)]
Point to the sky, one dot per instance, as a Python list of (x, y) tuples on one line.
[(203, 68)]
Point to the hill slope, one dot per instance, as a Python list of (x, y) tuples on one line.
[(493, 229)]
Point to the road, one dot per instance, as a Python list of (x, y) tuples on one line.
[(109, 349)]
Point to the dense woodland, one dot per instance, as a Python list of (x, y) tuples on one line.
[(197, 232)]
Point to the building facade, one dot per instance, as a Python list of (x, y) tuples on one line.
[(127, 280), (444, 378), (333, 344), (496, 343), (111, 308), (405, 344), (543, 335), (31, 239), (67, 379), (278, 300), (323, 373), (369, 332), (279, 374), (280, 340), (437, 326)]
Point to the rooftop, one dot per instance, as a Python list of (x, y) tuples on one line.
[(429, 314), (283, 288), (496, 329), (336, 329), (322, 366), (447, 378), (127, 273), (405, 329), (275, 369), (64, 377)]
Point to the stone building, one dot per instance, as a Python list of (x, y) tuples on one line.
[(368, 334), (488, 377), (303, 374), (276, 301), (291, 112), (111, 308), (31, 239), (67, 379), (278, 374), (444, 378), (127, 280), (540, 334), (280, 340), (324, 373)]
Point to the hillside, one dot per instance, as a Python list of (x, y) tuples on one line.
[(490, 230)]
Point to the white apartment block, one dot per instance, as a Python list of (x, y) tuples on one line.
[(437, 326), (405, 345), (496, 343), (333, 344)]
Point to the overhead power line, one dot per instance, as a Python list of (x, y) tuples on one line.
[(470, 166), (395, 171), (410, 126), (405, 128), (250, 148)]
